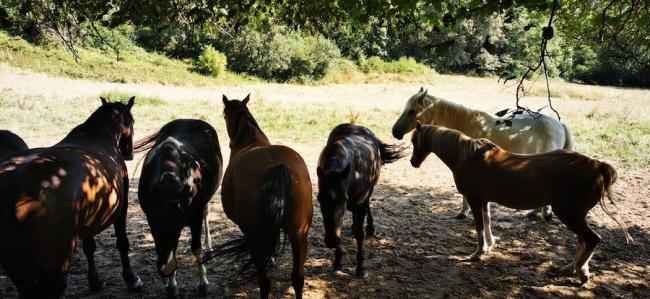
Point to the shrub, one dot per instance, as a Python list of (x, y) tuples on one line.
[(281, 54), (342, 71), (211, 61), (401, 66)]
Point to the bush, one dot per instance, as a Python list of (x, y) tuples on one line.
[(342, 71), (281, 55), (211, 61), (404, 65)]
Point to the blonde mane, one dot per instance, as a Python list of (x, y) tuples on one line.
[(438, 111), (452, 145)]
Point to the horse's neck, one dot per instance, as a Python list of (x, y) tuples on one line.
[(92, 135), (448, 149), (248, 140), (455, 116)]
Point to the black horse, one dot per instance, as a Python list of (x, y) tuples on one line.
[(52, 197), (348, 169), (180, 174), (10, 142)]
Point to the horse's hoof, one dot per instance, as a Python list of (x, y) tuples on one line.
[(460, 216), (370, 230), (336, 267), (568, 270), (532, 215), (584, 278), (204, 290), (475, 256), (135, 285), (548, 217), (96, 285), (171, 291), (362, 273)]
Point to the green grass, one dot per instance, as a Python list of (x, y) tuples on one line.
[(610, 135), (135, 65)]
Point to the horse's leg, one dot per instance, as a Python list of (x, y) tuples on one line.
[(196, 231), (464, 208), (359, 215), (489, 238), (299, 250), (370, 227), (89, 247), (133, 282), (206, 225), (338, 255), (588, 240), (172, 286), (477, 206), (263, 275), (547, 213)]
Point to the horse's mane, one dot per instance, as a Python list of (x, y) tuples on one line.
[(453, 144), (336, 158), (449, 114), (99, 119)]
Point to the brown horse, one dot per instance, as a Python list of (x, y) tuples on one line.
[(570, 182), (267, 192), (180, 175), (348, 170), (52, 197), (10, 142)]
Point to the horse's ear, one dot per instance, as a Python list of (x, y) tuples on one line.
[(418, 125), (421, 89), (104, 101), (131, 102), (224, 99), (319, 172), (345, 171), (246, 99), (424, 93)]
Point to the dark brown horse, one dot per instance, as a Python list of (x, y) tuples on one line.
[(10, 142), (266, 191), (348, 170), (180, 174), (52, 197)]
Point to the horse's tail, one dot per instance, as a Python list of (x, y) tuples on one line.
[(609, 178), (568, 138), (264, 242), (391, 152), (276, 188)]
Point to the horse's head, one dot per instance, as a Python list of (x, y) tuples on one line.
[(233, 111), (332, 196), (120, 115), (419, 152), (414, 107)]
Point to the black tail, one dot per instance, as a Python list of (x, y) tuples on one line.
[(265, 242), (391, 152), (609, 177)]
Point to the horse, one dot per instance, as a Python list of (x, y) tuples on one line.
[(10, 142), (181, 173), (267, 192), (51, 197), (571, 183), (348, 170), (529, 133)]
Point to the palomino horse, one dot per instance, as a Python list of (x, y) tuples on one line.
[(10, 142), (52, 197), (570, 182), (266, 191), (180, 174), (348, 170), (528, 134)]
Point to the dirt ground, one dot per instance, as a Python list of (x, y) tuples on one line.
[(418, 250)]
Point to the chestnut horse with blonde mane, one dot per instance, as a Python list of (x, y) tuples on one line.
[(267, 192), (528, 134), (571, 183)]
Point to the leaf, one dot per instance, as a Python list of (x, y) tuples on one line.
[(502, 112), (518, 112), (442, 50), (643, 21)]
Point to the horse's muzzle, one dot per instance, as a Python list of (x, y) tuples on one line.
[(398, 135), (415, 163)]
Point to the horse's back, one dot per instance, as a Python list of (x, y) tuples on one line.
[(242, 186), (528, 134)]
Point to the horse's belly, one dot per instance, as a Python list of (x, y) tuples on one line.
[(98, 215)]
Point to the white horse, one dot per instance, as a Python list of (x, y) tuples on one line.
[(527, 135)]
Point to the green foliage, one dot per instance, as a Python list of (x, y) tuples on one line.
[(281, 54), (401, 66), (211, 62)]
